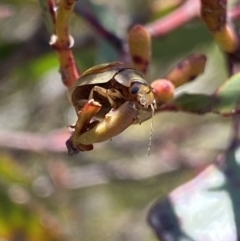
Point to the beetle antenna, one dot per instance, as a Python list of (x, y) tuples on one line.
[(151, 130)]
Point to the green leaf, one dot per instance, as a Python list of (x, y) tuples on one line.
[(228, 96), (196, 103), (225, 101)]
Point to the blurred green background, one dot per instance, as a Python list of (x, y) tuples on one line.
[(104, 194)]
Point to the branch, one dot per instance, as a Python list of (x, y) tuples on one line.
[(53, 142), (179, 17), (62, 42), (99, 28)]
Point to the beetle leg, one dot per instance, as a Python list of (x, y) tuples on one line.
[(110, 94), (114, 123)]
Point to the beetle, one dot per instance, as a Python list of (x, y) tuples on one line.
[(122, 97), (113, 84)]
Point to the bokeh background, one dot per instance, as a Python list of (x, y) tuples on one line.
[(104, 194)]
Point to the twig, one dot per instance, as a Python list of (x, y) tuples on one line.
[(53, 142), (62, 42), (182, 15), (235, 12), (35, 46), (102, 31)]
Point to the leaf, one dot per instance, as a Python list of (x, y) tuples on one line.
[(208, 206), (225, 101), (228, 96), (196, 103), (187, 70), (139, 42)]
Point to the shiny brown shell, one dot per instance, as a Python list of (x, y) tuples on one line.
[(114, 75)]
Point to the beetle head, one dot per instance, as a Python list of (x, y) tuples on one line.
[(143, 94), (145, 97)]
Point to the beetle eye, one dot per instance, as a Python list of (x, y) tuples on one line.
[(134, 90)]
